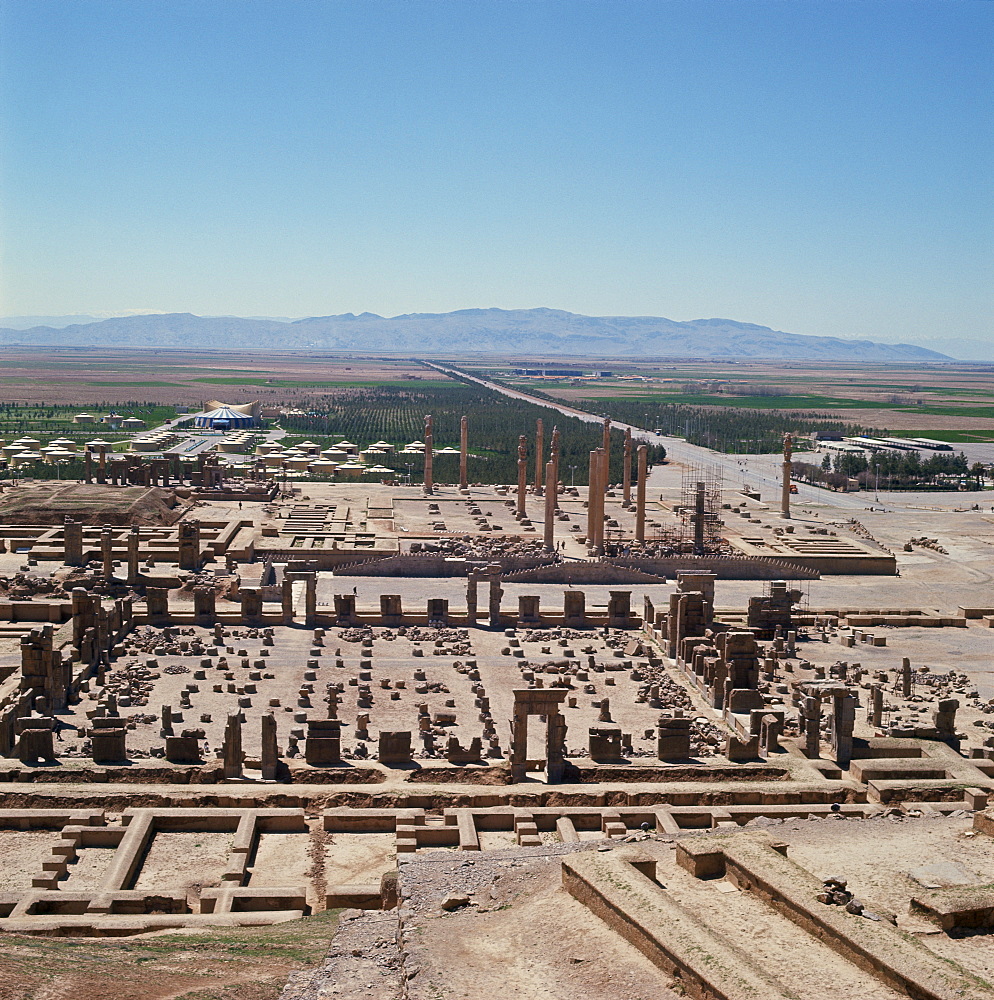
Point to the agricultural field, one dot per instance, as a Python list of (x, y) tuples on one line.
[(98, 378), (747, 406)]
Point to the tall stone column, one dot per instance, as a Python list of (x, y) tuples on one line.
[(464, 453), (626, 470), (591, 502), (607, 449), (788, 449), (429, 454), (554, 457), (522, 473), (550, 507), (643, 460), (88, 466), (539, 448), (598, 489)]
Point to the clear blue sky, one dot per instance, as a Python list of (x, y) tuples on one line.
[(819, 167)]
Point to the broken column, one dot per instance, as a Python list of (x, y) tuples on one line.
[(134, 544), (472, 592), (463, 453), (270, 750), (496, 593), (107, 552), (233, 746)]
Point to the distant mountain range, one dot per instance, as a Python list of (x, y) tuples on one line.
[(524, 332)]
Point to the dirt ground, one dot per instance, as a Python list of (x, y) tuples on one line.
[(236, 964)]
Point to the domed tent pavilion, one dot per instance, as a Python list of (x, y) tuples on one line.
[(226, 416)]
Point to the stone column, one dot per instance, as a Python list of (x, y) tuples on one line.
[(550, 507), (270, 750), (876, 705), (843, 719), (134, 543), (233, 746), (429, 454), (522, 473), (591, 502), (643, 459), (310, 598), (286, 593), (811, 717), (107, 552), (72, 537), (88, 466), (626, 470), (464, 453), (472, 590), (554, 458), (905, 678), (607, 450), (788, 445), (496, 593), (539, 448), (600, 496)]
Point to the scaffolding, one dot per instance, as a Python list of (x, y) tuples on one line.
[(700, 507)]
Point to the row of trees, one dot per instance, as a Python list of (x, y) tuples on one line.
[(396, 415), (893, 470), (721, 428)]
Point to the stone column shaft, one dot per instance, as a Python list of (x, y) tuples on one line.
[(550, 507), (463, 453), (643, 460)]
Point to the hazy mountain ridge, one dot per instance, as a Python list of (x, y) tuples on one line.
[(501, 331)]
